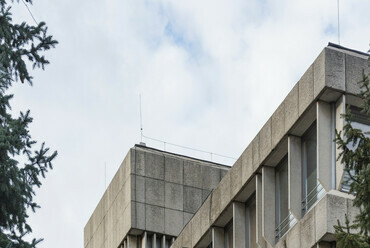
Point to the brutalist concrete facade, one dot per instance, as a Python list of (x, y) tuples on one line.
[(153, 194), (319, 98), (244, 210)]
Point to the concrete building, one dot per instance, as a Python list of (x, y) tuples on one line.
[(285, 190)]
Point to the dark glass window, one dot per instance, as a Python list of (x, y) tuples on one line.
[(251, 222), (281, 199), (229, 235), (309, 160)]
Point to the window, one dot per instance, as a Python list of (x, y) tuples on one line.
[(229, 235), (251, 222), (281, 199), (360, 121)]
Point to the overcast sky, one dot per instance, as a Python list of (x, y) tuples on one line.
[(210, 74)]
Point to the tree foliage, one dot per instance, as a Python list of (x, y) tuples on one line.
[(355, 155), (22, 165)]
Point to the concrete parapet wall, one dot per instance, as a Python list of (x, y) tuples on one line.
[(152, 191)]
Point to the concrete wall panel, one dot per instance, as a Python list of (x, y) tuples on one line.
[(236, 178), (192, 174), (354, 67), (174, 170), (174, 221), (174, 198), (247, 164), (305, 91), (265, 140), (278, 125), (291, 108), (192, 199)]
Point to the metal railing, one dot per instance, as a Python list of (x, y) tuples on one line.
[(284, 226), (313, 196)]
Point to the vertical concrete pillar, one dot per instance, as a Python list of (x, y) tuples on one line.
[(268, 204), (238, 224), (131, 241), (124, 244), (154, 241), (218, 237), (294, 176), (339, 124), (144, 240), (259, 237), (164, 241), (324, 144)]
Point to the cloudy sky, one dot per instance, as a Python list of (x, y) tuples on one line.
[(210, 74)]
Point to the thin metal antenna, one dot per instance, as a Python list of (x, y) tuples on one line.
[(141, 121), (338, 24)]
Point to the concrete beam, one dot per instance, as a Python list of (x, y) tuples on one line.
[(239, 224), (294, 176), (324, 144), (218, 237), (268, 204)]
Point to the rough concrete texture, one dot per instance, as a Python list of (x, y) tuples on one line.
[(192, 199), (174, 198), (174, 221), (265, 140), (174, 170), (148, 193), (192, 174), (236, 175), (319, 74), (278, 125), (335, 69), (291, 108), (255, 151), (247, 164), (308, 229), (205, 215), (196, 226), (354, 67), (305, 90), (225, 191)]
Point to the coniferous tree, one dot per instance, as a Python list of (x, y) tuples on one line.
[(22, 165), (355, 155)]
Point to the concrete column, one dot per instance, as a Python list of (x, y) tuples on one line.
[(124, 244), (164, 241), (144, 240), (324, 144), (154, 239), (259, 238), (218, 237), (268, 204), (339, 124), (294, 176), (238, 224), (131, 241)]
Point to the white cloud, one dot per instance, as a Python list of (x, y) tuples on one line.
[(210, 74)]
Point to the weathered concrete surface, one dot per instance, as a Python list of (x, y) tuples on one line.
[(327, 72), (152, 191)]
